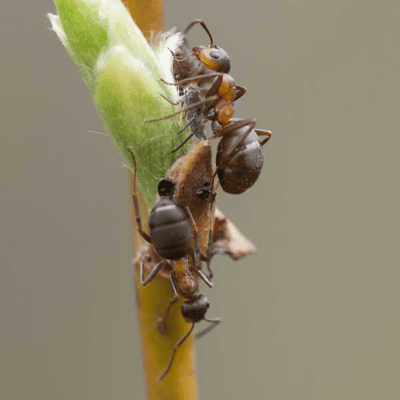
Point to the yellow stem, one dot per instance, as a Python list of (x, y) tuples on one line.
[(152, 300)]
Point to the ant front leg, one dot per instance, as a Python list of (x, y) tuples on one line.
[(161, 324), (262, 132)]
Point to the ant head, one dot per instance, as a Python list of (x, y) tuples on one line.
[(195, 310), (213, 57), (166, 188)]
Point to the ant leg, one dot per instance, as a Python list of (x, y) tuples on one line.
[(215, 86), (161, 324), (169, 101), (240, 91), (214, 321), (203, 276), (167, 368), (199, 21), (187, 139), (213, 91), (144, 235), (197, 78), (196, 237), (263, 132), (192, 107), (152, 274)]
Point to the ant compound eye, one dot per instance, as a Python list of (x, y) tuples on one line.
[(166, 188), (214, 54)]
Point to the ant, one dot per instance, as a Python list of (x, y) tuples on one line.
[(170, 235), (224, 88), (240, 155), (218, 100)]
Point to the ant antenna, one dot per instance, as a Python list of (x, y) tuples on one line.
[(168, 367), (176, 61), (199, 21)]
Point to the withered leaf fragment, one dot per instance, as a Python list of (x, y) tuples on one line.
[(228, 239)]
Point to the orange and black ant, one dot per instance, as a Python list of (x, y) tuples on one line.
[(224, 88), (170, 235), (217, 104)]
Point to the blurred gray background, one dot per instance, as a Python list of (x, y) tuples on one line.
[(314, 314)]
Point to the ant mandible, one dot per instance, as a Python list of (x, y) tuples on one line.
[(170, 234)]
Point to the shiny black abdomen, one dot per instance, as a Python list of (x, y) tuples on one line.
[(170, 230)]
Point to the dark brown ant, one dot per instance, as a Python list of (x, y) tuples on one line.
[(240, 155), (170, 234), (192, 179)]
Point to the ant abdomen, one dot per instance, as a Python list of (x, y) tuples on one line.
[(244, 167), (170, 230)]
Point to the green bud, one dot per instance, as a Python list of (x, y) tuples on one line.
[(123, 74)]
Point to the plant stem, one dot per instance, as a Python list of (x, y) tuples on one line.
[(181, 381)]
